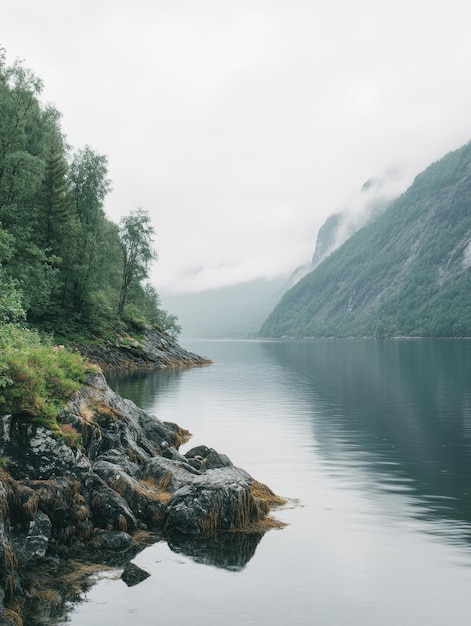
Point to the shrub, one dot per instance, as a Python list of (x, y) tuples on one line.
[(72, 437), (36, 379)]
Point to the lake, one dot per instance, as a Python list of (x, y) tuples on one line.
[(371, 442)]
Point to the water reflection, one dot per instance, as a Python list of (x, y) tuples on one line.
[(360, 431), (142, 386), (231, 551), (401, 409)]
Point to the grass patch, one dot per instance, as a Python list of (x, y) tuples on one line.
[(37, 380)]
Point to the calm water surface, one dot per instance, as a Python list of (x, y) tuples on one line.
[(371, 438)]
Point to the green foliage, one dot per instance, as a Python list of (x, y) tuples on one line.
[(64, 266), (406, 273), (5, 462), (36, 379), (136, 237)]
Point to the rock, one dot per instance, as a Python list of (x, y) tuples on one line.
[(144, 500), (121, 460), (35, 452), (157, 350), (167, 474), (111, 540), (37, 539), (58, 502), (203, 457), (218, 499), (109, 509), (133, 575)]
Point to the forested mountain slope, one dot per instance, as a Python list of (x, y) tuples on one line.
[(405, 273)]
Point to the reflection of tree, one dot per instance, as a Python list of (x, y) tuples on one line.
[(405, 403), (231, 551), (142, 386)]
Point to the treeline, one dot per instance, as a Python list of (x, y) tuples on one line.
[(64, 266), (406, 273)]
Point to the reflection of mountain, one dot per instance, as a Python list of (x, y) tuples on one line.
[(230, 551), (402, 407)]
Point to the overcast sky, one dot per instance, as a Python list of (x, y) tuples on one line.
[(240, 125)]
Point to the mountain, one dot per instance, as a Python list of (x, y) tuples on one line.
[(238, 311), (235, 311), (338, 227), (406, 272)]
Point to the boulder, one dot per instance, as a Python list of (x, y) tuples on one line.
[(133, 575), (114, 541), (219, 499)]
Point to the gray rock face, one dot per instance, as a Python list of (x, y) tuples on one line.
[(219, 499), (111, 540), (156, 351), (36, 452), (36, 542)]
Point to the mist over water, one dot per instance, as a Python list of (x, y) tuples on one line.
[(370, 440)]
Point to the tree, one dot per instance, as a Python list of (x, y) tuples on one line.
[(88, 188), (11, 309), (136, 236)]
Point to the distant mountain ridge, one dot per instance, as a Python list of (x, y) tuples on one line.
[(338, 227), (232, 312), (404, 273), (238, 311)]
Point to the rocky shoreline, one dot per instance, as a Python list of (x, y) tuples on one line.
[(102, 492), (155, 350)]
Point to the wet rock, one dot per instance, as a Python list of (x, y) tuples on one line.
[(171, 453), (144, 500), (37, 539), (204, 458), (218, 499), (115, 541), (128, 475), (35, 452), (133, 575), (169, 475), (120, 459)]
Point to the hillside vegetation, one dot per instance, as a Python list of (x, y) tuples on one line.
[(405, 273), (65, 268), (67, 272)]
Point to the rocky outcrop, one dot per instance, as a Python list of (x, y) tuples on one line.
[(124, 475), (154, 350)]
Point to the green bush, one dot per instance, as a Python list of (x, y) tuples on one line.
[(36, 379)]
